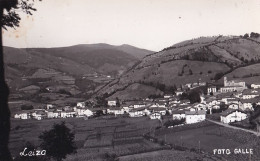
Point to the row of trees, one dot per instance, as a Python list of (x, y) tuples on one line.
[(252, 35)]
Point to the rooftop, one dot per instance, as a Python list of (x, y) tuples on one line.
[(200, 112)]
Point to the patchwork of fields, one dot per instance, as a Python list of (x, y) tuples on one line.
[(123, 138)]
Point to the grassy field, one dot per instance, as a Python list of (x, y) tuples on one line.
[(207, 136), (108, 138)]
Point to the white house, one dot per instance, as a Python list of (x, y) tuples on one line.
[(111, 102), (39, 115), (50, 113), (161, 104), (126, 109), (22, 115), (138, 112), (216, 107), (212, 89), (195, 116), (80, 112), (178, 92), (200, 106), (177, 115), (81, 104), (160, 110), (212, 103), (68, 113), (246, 104), (115, 111), (49, 106), (232, 116), (255, 86), (248, 94), (167, 96), (156, 115), (146, 112), (138, 105), (232, 100)]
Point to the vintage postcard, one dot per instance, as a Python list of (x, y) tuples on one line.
[(130, 80)]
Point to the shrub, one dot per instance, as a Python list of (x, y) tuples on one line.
[(26, 107), (218, 76), (174, 122)]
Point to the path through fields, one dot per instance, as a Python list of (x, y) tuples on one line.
[(234, 127)]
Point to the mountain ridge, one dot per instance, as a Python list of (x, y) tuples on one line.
[(202, 59)]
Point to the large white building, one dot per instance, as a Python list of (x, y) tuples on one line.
[(233, 85), (111, 103), (231, 116), (212, 89), (195, 116), (255, 86)]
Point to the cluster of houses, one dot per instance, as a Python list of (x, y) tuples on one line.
[(51, 112), (234, 96)]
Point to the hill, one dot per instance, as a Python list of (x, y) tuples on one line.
[(204, 59), (77, 70), (79, 59)]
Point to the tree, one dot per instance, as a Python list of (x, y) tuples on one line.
[(246, 35), (194, 97), (117, 102), (254, 35), (190, 72), (26, 107), (58, 142), (9, 19)]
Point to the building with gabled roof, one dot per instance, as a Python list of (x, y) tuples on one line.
[(116, 111), (192, 117), (161, 110), (156, 115), (137, 112), (247, 104), (231, 115), (178, 114), (22, 115), (248, 94), (233, 85), (255, 86)]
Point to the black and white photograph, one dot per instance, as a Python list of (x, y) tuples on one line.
[(130, 80)]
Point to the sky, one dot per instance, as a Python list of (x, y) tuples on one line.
[(148, 24)]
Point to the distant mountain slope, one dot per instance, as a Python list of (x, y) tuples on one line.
[(79, 59), (134, 51), (191, 61), (94, 61)]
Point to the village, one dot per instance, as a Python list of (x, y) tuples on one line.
[(234, 101)]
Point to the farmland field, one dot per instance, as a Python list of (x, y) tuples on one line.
[(112, 137)]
